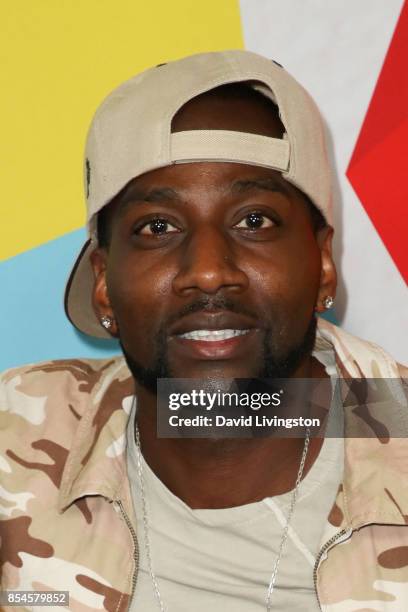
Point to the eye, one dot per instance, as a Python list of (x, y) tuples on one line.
[(254, 221), (156, 227)]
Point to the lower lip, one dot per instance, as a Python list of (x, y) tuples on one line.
[(214, 349)]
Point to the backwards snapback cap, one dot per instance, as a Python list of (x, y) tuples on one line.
[(131, 134)]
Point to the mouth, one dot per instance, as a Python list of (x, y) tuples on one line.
[(213, 335), (216, 344), (217, 335)]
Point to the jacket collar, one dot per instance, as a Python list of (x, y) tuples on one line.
[(96, 461)]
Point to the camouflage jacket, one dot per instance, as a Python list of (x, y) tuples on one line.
[(66, 514)]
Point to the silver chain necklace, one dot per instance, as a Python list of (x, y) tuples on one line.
[(146, 521)]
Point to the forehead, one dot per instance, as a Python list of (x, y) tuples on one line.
[(226, 178)]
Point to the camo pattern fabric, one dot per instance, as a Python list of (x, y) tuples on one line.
[(66, 515)]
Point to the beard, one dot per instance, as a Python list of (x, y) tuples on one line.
[(279, 360)]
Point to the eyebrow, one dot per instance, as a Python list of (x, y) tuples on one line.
[(267, 184), (135, 194)]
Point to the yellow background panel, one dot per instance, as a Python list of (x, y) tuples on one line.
[(59, 59)]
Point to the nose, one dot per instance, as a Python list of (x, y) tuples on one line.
[(209, 264)]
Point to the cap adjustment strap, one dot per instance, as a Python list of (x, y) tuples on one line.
[(223, 145)]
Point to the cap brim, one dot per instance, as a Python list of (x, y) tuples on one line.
[(78, 296)]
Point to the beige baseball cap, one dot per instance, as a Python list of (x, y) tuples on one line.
[(131, 134)]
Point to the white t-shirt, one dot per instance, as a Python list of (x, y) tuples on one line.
[(221, 560)]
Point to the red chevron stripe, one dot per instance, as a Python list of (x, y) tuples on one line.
[(378, 169)]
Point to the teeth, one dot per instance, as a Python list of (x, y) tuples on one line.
[(211, 335)]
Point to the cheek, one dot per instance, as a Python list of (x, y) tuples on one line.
[(306, 273), (290, 276), (138, 293)]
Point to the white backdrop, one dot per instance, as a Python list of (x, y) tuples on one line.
[(336, 50)]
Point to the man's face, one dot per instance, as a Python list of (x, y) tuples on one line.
[(214, 269)]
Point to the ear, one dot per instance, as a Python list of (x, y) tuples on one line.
[(328, 276), (100, 298)]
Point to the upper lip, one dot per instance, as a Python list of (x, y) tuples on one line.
[(211, 321)]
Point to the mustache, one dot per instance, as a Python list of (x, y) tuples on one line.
[(208, 304)]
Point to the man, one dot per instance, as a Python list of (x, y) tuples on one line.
[(209, 203)]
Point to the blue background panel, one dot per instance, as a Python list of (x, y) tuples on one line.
[(35, 327)]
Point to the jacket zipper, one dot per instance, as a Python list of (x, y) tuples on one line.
[(322, 551), (135, 549)]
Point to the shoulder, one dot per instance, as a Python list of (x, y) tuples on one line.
[(77, 371), (360, 358), (47, 400), (65, 379)]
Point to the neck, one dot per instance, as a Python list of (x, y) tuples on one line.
[(208, 473)]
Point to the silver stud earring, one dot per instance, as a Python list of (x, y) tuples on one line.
[(106, 321), (328, 302)]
